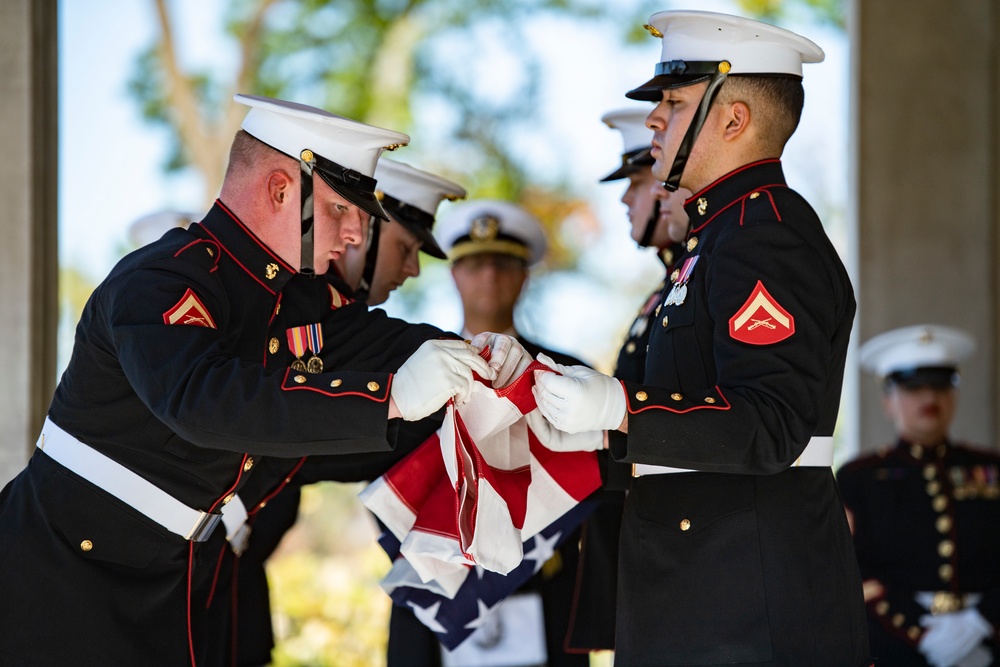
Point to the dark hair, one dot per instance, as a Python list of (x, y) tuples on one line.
[(775, 103)]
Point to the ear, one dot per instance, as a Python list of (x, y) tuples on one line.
[(279, 189), (736, 119)]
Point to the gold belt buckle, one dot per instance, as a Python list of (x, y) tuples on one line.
[(945, 602)]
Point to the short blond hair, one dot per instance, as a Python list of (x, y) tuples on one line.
[(249, 152)]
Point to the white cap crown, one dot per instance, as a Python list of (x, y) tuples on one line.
[(290, 127), (920, 346), (415, 187), (750, 47), (631, 123), (491, 226)]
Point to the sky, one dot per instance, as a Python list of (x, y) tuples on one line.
[(110, 175)]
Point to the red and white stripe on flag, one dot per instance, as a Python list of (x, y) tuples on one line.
[(478, 488)]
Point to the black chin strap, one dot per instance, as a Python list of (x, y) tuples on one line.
[(647, 233), (306, 158), (684, 150), (371, 258)]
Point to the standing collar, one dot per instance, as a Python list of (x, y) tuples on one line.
[(923, 452), (244, 248), (704, 205)]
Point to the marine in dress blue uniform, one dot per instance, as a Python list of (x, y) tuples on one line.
[(657, 221), (925, 512), (735, 549), (241, 601), (179, 382), (505, 234)]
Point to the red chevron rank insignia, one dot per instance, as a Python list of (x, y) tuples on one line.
[(191, 311), (337, 299), (761, 321)]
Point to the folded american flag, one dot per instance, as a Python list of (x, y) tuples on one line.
[(483, 491)]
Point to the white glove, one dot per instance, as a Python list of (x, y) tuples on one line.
[(507, 356), (437, 371), (952, 637), (581, 399), (560, 441)]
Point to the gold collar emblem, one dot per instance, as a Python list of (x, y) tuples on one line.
[(702, 205), (271, 270)]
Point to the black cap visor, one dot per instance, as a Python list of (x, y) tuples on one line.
[(631, 163), (417, 222), (673, 74), (352, 185), (937, 377)]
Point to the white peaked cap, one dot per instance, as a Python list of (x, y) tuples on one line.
[(749, 46), (631, 123), (920, 346), (150, 227), (491, 226), (290, 127), (415, 187), (418, 195)]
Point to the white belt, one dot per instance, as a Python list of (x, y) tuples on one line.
[(125, 485), (818, 453), (234, 518)]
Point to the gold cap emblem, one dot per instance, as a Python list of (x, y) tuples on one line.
[(652, 30), (484, 228)]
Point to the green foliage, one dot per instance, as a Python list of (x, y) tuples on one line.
[(832, 12)]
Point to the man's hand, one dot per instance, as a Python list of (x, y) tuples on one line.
[(437, 371), (952, 637), (507, 356), (581, 399), (560, 441)]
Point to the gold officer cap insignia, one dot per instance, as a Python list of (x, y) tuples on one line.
[(484, 228), (652, 30)]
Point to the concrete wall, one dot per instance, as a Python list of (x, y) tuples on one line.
[(28, 253), (927, 174)]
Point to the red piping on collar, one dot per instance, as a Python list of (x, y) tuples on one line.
[(254, 236), (730, 175), (240, 264), (763, 188)]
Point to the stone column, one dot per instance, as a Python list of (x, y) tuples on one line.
[(29, 252), (926, 174)]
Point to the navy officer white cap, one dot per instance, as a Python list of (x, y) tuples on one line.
[(412, 196), (491, 226), (694, 38), (636, 139), (909, 349)]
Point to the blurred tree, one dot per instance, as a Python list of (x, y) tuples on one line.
[(832, 12), (375, 60)]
